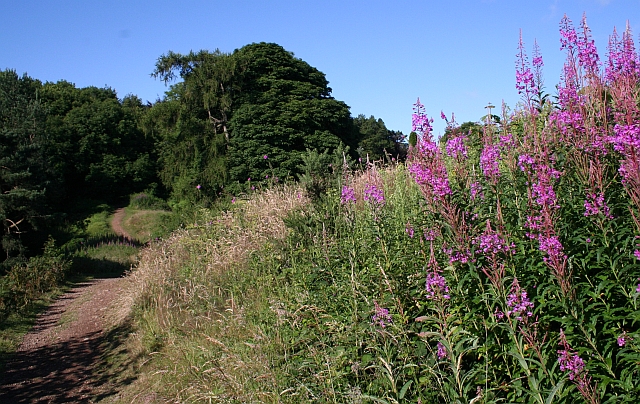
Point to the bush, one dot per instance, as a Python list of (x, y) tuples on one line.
[(26, 282), (147, 201)]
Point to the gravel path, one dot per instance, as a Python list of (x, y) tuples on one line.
[(56, 360), (116, 224)]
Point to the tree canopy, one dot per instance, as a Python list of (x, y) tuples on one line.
[(269, 105)]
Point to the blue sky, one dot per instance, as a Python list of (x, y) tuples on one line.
[(378, 56)]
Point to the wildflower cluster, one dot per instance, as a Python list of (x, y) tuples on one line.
[(489, 162), (427, 164), (374, 195), (518, 302), (490, 242), (595, 205), (381, 316), (348, 195), (571, 363), (436, 286), (456, 148)]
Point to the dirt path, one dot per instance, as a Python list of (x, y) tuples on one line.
[(55, 362), (116, 224)]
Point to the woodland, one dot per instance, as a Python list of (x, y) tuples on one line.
[(228, 122)]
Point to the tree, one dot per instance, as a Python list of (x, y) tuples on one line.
[(376, 141), (100, 150), (269, 106), (24, 176)]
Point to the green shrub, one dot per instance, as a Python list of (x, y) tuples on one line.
[(24, 283)]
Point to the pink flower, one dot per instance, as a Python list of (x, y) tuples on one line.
[(442, 351), (374, 195), (489, 162), (436, 286), (381, 316), (518, 302), (409, 229), (265, 157), (348, 195)]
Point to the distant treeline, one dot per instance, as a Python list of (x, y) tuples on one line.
[(227, 119)]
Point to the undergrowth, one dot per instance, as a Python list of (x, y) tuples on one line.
[(499, 265)]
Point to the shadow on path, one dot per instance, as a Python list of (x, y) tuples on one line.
[(60, 360)]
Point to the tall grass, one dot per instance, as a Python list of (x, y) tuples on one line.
[(502, 268), (201, 302)]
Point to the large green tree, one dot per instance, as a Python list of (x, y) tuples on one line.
[(100, 150), (264, 102), (285, 108), (376, 141), (24, 172)]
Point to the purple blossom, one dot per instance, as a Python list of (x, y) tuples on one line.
[(265, 157), (526, 163), (348, 195), (587, 53), (409, 229), (198, 187), (525, 83), (638, 288), (381, 316), (625, 137), (436, 286), (595, 204), (518, 302), (442, 351), (570, 361), (489, 159), (456, 148), (622, 59), (476, 191), (431, 234), (573, 364), (491, 242), (420, 123), (374, 195), (428, 170), (552, 246), (568, 35), (507, 142), (457, 256), (622, 340)]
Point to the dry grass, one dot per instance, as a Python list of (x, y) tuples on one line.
[(190, 296)]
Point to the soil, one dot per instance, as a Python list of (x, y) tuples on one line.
[(116, 224), (57, 360)]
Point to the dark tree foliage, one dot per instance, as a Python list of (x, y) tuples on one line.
[(100, 150), (286, 108), (24, 173), (216, 127), (378, 142), (59, 143)]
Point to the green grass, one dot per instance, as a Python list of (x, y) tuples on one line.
[(18, 323), (204, 321), (148, 225), (94, 251), (99, 224)]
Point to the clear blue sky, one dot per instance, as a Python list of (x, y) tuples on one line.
[(378, 56)]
